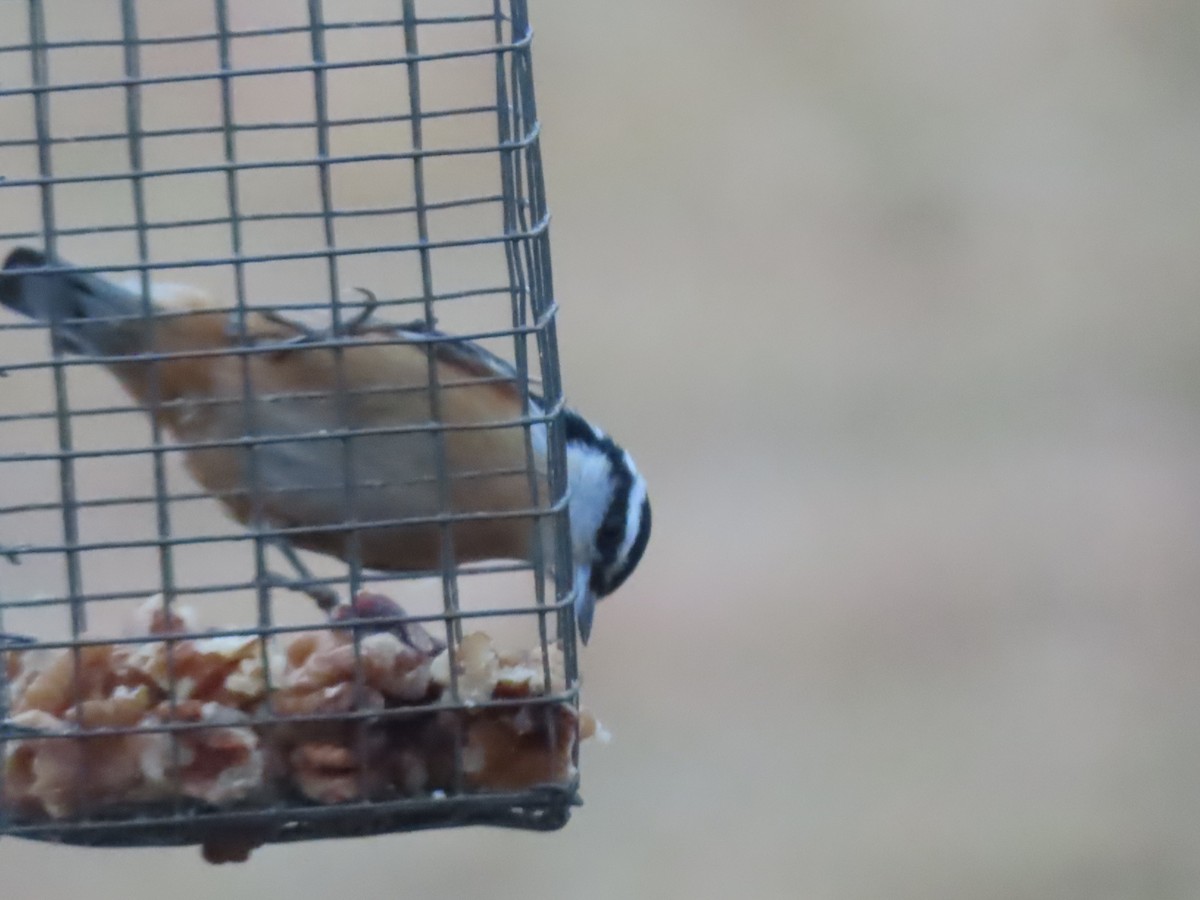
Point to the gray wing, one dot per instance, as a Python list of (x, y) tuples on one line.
[(458, 352)]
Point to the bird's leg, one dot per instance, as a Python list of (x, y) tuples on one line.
[(326, 598), (418, 325), (304, 334), (349, 328)]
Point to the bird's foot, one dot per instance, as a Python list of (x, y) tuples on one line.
[(305, 334), (303, 581), (368, 605), (326, 598)]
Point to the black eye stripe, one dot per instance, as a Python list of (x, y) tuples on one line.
[(578, 431), (635, 551)]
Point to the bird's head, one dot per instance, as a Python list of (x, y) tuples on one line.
[(609, 512)]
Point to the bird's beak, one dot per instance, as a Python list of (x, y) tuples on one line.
[(585, 602)]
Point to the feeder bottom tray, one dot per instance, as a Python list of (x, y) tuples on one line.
[(232, 740), (231, 834)]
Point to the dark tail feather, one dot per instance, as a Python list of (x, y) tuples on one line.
[(92, 315)]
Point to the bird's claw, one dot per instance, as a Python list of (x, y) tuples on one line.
[(304, 581), (305, 334), (325, 597)]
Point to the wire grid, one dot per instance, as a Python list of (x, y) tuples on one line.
[(276, 154)]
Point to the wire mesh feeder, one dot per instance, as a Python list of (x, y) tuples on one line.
[(279, 156)]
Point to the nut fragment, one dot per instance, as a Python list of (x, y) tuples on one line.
[(155, 617), (62, 683), (217, 764), (60, 775), (380, 661), (330, 772), (475, 667), (123, 709), (198, 669), (504, 753)]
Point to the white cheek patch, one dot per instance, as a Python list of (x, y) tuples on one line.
[(537, 434), (633, 515), (590, 481)]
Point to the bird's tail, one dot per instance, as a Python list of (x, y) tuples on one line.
[(91, 316)]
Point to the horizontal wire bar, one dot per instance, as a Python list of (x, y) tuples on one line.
[(535, 230), (273, 347), (251, 217), (246, 127), (298, 306), (135, 500), (273, 164), (181, 497), (266, 631), (22, 643), (267, 440), (218, 402), (366, 577), (245, 33), (259, 720), (446, 518), (300, 68), (542, 808)]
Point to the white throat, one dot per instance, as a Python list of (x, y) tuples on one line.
[(589, 478)]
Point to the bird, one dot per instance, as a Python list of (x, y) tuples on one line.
[(338, 449)]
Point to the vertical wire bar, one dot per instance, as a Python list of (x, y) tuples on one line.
[(517, 300), (316, 18), (133, 128), (66, 468), (449, 573), (133, 125), (5, 703), (529, 189), (542, 306), (448, 565), (262, 580), (523, 126), (316, 23)]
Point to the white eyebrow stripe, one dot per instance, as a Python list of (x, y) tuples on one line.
[(633, 515)]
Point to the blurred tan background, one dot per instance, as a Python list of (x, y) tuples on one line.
[(895, 303)]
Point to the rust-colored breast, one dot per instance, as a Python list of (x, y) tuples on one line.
[(321, 483)]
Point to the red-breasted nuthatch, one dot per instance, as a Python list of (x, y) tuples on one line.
[(362, 413)]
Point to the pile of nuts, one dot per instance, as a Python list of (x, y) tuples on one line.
[(327, 716)]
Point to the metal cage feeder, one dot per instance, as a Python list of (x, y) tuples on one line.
[(280, 157)]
